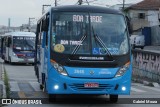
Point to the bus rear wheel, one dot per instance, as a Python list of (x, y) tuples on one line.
[(113, 98)]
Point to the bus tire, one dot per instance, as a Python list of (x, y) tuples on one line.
[(37, 74), (10, 61), (52, 97), (113, 98)]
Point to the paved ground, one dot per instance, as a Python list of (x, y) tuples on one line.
[(1, 80)]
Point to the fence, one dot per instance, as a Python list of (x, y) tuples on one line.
[(146, 65)]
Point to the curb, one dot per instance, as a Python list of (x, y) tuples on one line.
[(146, 83), (3, 94), (2, 85)]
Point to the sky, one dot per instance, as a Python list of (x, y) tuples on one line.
[(19, 11)]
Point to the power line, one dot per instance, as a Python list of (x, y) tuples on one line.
[(80, 2)]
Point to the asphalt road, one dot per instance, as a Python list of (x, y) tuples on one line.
[(23, 84)]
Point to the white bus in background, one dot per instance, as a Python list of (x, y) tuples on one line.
[(137, 41), (18, 47)]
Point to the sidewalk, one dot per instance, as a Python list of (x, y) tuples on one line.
[(2, 87)]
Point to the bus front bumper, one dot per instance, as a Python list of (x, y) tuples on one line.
[(22, 60), (68, 85)]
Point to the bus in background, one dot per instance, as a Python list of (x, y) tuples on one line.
[(18, 47), (83, 50), (0, 44)]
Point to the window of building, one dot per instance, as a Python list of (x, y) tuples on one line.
[(141, 15)]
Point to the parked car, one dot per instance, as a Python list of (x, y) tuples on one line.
[(137, 41)]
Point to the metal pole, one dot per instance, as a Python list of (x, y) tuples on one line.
[(87, 2), (55, 3), (123, 4)]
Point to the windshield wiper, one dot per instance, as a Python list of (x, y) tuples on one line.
[(80, 43), (101, 43)]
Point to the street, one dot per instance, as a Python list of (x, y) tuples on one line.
[(73, 49), (23, 84)]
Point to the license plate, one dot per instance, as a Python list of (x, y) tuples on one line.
[(91, 85)]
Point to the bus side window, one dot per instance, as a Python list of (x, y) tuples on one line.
[(47, 22), (45, 26), (39, 34), (5, 42)]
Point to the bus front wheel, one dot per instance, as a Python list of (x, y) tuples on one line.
[(10, 61), (113, 98), (52, 97)]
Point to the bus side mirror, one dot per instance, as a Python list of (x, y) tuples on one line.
[(129, 25)]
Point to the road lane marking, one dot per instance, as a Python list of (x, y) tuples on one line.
[(25, 87), (22, 79), (21, 94), (14, 86), (35, 86), (137, 90)]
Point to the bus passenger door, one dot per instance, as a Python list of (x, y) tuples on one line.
[(42, 53), (5, 49), (39, 60), (45, 46), (10, 49), (2, 48), (43, 59)]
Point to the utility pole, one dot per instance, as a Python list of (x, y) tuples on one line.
[(80, 2), (43, 11), (9, 24), (87, 2), (55, 3), (123, 5)]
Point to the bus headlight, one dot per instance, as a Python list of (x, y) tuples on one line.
[(59, 68), (55, 65), (14, 54), (122, 70)]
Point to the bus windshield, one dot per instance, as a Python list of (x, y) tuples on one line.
[(24, 43), (89, 33)]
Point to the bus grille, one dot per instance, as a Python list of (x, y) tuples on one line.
[(80, 87)]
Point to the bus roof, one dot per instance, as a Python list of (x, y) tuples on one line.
[(85, 8), (31, 34)]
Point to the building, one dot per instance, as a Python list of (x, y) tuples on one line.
[(144, 14)]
